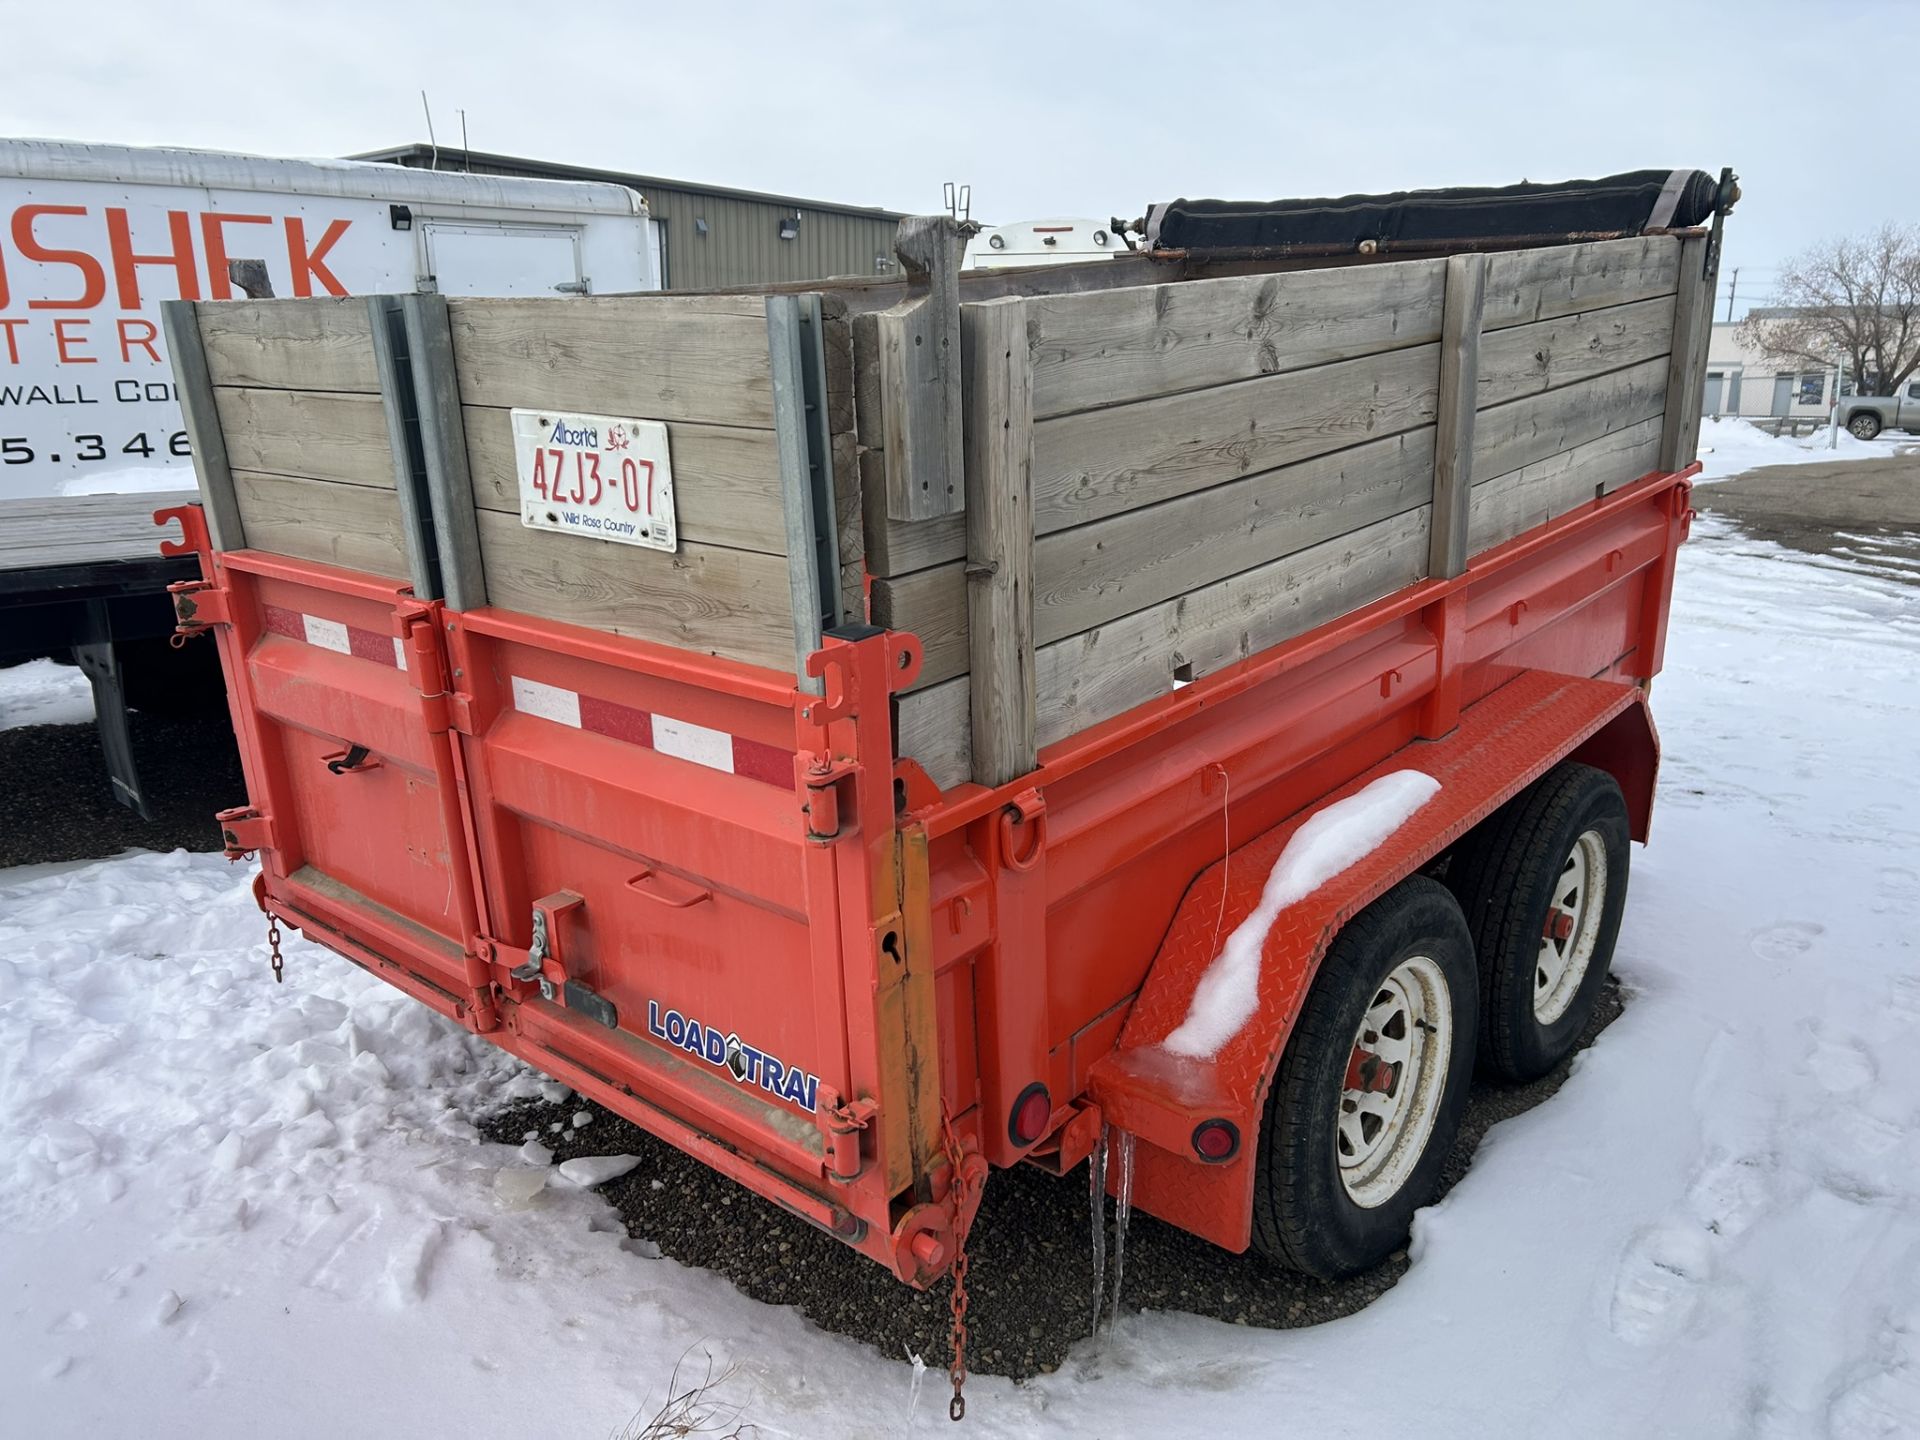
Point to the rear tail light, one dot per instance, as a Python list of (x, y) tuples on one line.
[(1216, 1141), (1031, 1112)]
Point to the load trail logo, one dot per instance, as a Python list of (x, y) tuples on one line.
[(742, 1061)]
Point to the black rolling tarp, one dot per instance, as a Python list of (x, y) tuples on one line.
[(1417, 219)]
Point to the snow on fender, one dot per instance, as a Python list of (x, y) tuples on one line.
[(1333, 840)]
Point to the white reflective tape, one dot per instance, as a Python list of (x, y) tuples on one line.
[(399, 652), (549, 702), (712, 748), (327, 634)]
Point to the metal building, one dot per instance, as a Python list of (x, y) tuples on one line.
[(712, 236)]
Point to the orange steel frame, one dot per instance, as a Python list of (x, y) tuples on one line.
[(941, 952)]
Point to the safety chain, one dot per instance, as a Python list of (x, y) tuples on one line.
[(957, 1407), (273, 948)]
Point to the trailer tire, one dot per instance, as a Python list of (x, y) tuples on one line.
[(1331, 1198), (1535, 863)]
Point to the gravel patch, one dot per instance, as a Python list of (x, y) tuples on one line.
[(1030, 1271), (60, 806)]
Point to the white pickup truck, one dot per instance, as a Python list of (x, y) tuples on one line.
[(1865, 416)]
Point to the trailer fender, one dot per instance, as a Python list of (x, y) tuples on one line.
[(1198, 1120)]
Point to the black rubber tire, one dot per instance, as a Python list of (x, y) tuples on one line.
[(1504, 875), (1864, 426), (1302, 1215)]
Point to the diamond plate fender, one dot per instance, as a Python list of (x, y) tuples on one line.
[(1504, 743)]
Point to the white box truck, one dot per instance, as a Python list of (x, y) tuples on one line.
[(93, 238)]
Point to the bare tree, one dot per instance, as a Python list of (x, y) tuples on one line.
[(1856, 300)]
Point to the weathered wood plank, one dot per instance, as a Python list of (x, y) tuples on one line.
[(732, 603), (646, 357), (357, 526), (726, 480), (919, 349), (998, 413), (1520, 432), (1112, 347), (1100, 462), (1528, 285), (1091, 677), (1526, 359), (1094, 676), (1507, 505), (1692, 323), (323, 343), (898, 547), (72, 529), (316, 435), (1453, 429), (1095, 573), (201, 415)]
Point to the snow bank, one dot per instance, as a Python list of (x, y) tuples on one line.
[(44, 692), (1332, 840), (1729, 447)]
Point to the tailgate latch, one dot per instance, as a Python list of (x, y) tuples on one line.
[(544, 967)]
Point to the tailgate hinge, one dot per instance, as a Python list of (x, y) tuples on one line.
[(244, 830), (823, 776), (198, 605), (841, 1121)]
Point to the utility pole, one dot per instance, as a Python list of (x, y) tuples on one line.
[(1732, 285)]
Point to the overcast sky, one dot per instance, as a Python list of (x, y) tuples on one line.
[(1044, 108)]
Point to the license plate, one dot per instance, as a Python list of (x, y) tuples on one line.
[(595, 475)]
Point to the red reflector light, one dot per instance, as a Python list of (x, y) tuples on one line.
[(1216, 1141), (1030, 1114)]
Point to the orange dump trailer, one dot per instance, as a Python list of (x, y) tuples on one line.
[(875, 733)]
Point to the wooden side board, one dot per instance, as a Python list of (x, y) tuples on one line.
[(1526, 359), (1528, 285), (1510, 436), (317, 344), (652, 357), (1093, 676), (1102, 462), (1507, 505), (316, 435), (357, 526), (704, 597), (1095, 573), (726, 480), (1116, 346)]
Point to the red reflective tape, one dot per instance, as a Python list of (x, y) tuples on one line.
[(760, 761), (662, 734), (282, 621), (619, 722), (372, 645)]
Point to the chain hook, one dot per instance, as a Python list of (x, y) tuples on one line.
[(273, 948)]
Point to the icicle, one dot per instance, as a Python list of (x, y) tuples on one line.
[(1097, 1212), (1123, 1208)]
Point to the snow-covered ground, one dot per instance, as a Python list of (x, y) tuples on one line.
[(44, 692), (230, 1209), (1731, 447)]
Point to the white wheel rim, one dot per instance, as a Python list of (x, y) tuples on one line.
[(1572, 928), (1395, 1078)]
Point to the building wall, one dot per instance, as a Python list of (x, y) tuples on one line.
[(742, 244), (1747, 380)]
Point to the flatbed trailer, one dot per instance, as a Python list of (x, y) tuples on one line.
[(1191, 705)]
